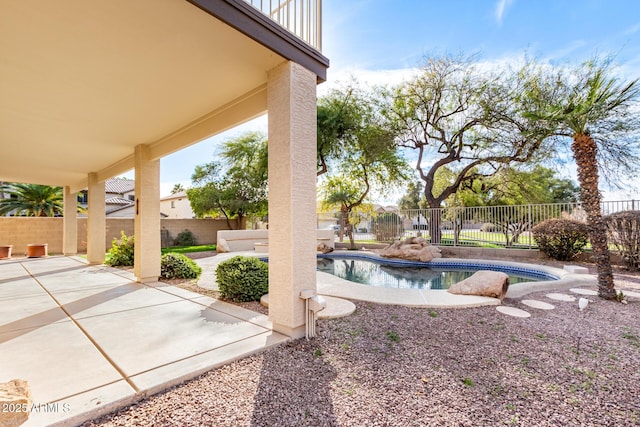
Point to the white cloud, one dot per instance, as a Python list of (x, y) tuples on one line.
[(632, 30), (366, 78), (501, 7)]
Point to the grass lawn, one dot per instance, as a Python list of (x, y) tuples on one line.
[(187, 249)]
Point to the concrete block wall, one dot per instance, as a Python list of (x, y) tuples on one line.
[(205, 230), (21, 231)]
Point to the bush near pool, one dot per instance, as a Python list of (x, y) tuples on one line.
[(242, 279), (178, 266)]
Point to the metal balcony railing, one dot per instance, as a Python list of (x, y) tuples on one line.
[(303, 18)]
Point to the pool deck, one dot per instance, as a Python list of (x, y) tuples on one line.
[(330, 285)]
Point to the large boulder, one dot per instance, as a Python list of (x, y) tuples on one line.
[(484, 283), (15, 403), (413, 249), (324, 248)]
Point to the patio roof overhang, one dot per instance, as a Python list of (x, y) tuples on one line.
[(83, 83)]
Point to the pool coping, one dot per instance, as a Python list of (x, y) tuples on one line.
[(330, 285), (335, 286)]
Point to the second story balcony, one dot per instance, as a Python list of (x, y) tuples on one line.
[(301, 17)]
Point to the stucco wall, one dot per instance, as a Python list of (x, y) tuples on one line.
[(181, 208), (21, 231)]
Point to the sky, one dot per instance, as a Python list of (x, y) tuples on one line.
[(383, 42)]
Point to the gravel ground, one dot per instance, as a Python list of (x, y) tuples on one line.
[(399, 366)]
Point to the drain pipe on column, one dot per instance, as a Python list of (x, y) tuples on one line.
[(313, 303)]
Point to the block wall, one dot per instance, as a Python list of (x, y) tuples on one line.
[(21, 231)]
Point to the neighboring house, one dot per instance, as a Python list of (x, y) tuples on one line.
[(119, 196), (385, 209), (176, 205)]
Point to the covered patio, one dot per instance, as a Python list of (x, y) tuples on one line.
[(90, 339), (89, 91)]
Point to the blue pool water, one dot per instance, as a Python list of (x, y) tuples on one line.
[(414, 275)]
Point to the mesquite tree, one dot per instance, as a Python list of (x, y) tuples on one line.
[(459, 116)]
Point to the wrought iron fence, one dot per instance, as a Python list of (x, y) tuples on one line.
[(483, 226), (301, 17)]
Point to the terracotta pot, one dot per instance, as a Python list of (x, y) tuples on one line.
[(5, 251), (37, 250)]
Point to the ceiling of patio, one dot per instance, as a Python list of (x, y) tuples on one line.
[(82, 83)]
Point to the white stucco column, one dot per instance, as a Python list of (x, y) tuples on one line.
[(96, 220), (70, 222), (146, 264), (292, 194)]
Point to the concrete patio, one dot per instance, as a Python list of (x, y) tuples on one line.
[(89, 339)]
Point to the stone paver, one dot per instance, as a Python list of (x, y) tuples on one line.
[(631, 294), (512, 311), (538, 304), (561, 297), (583, 291)]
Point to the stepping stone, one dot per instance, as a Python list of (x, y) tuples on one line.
[(512, 311), (582, 291), (561, 297), (336, 307), (538, 304), (631, 294), (575, 269)]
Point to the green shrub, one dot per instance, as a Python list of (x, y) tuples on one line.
[(624, 232), (178, 266), (561, 239), (185, 238), (242, 279), (488, 227), (121, 251)]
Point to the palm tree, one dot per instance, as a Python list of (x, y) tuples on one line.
[(31, 200), (593, 109), (177, 188)]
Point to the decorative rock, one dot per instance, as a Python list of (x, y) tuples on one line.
[(222, 246), (414, 249), (15, 402), (583, 303), (483, 283), (324, 248)]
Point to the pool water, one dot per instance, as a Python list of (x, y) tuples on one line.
[(373, 273)]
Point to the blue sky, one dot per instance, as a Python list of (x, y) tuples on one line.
[(382, 41)]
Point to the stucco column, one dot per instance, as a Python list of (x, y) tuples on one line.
[(96, 220), (146, 265), (292, 194), (70, 223)]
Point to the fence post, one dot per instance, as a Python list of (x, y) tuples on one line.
[(530, 226), (455, 227)]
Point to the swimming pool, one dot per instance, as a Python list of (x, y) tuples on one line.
[(395, 273)]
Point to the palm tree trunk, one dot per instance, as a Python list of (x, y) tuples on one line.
[(584, 151)]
